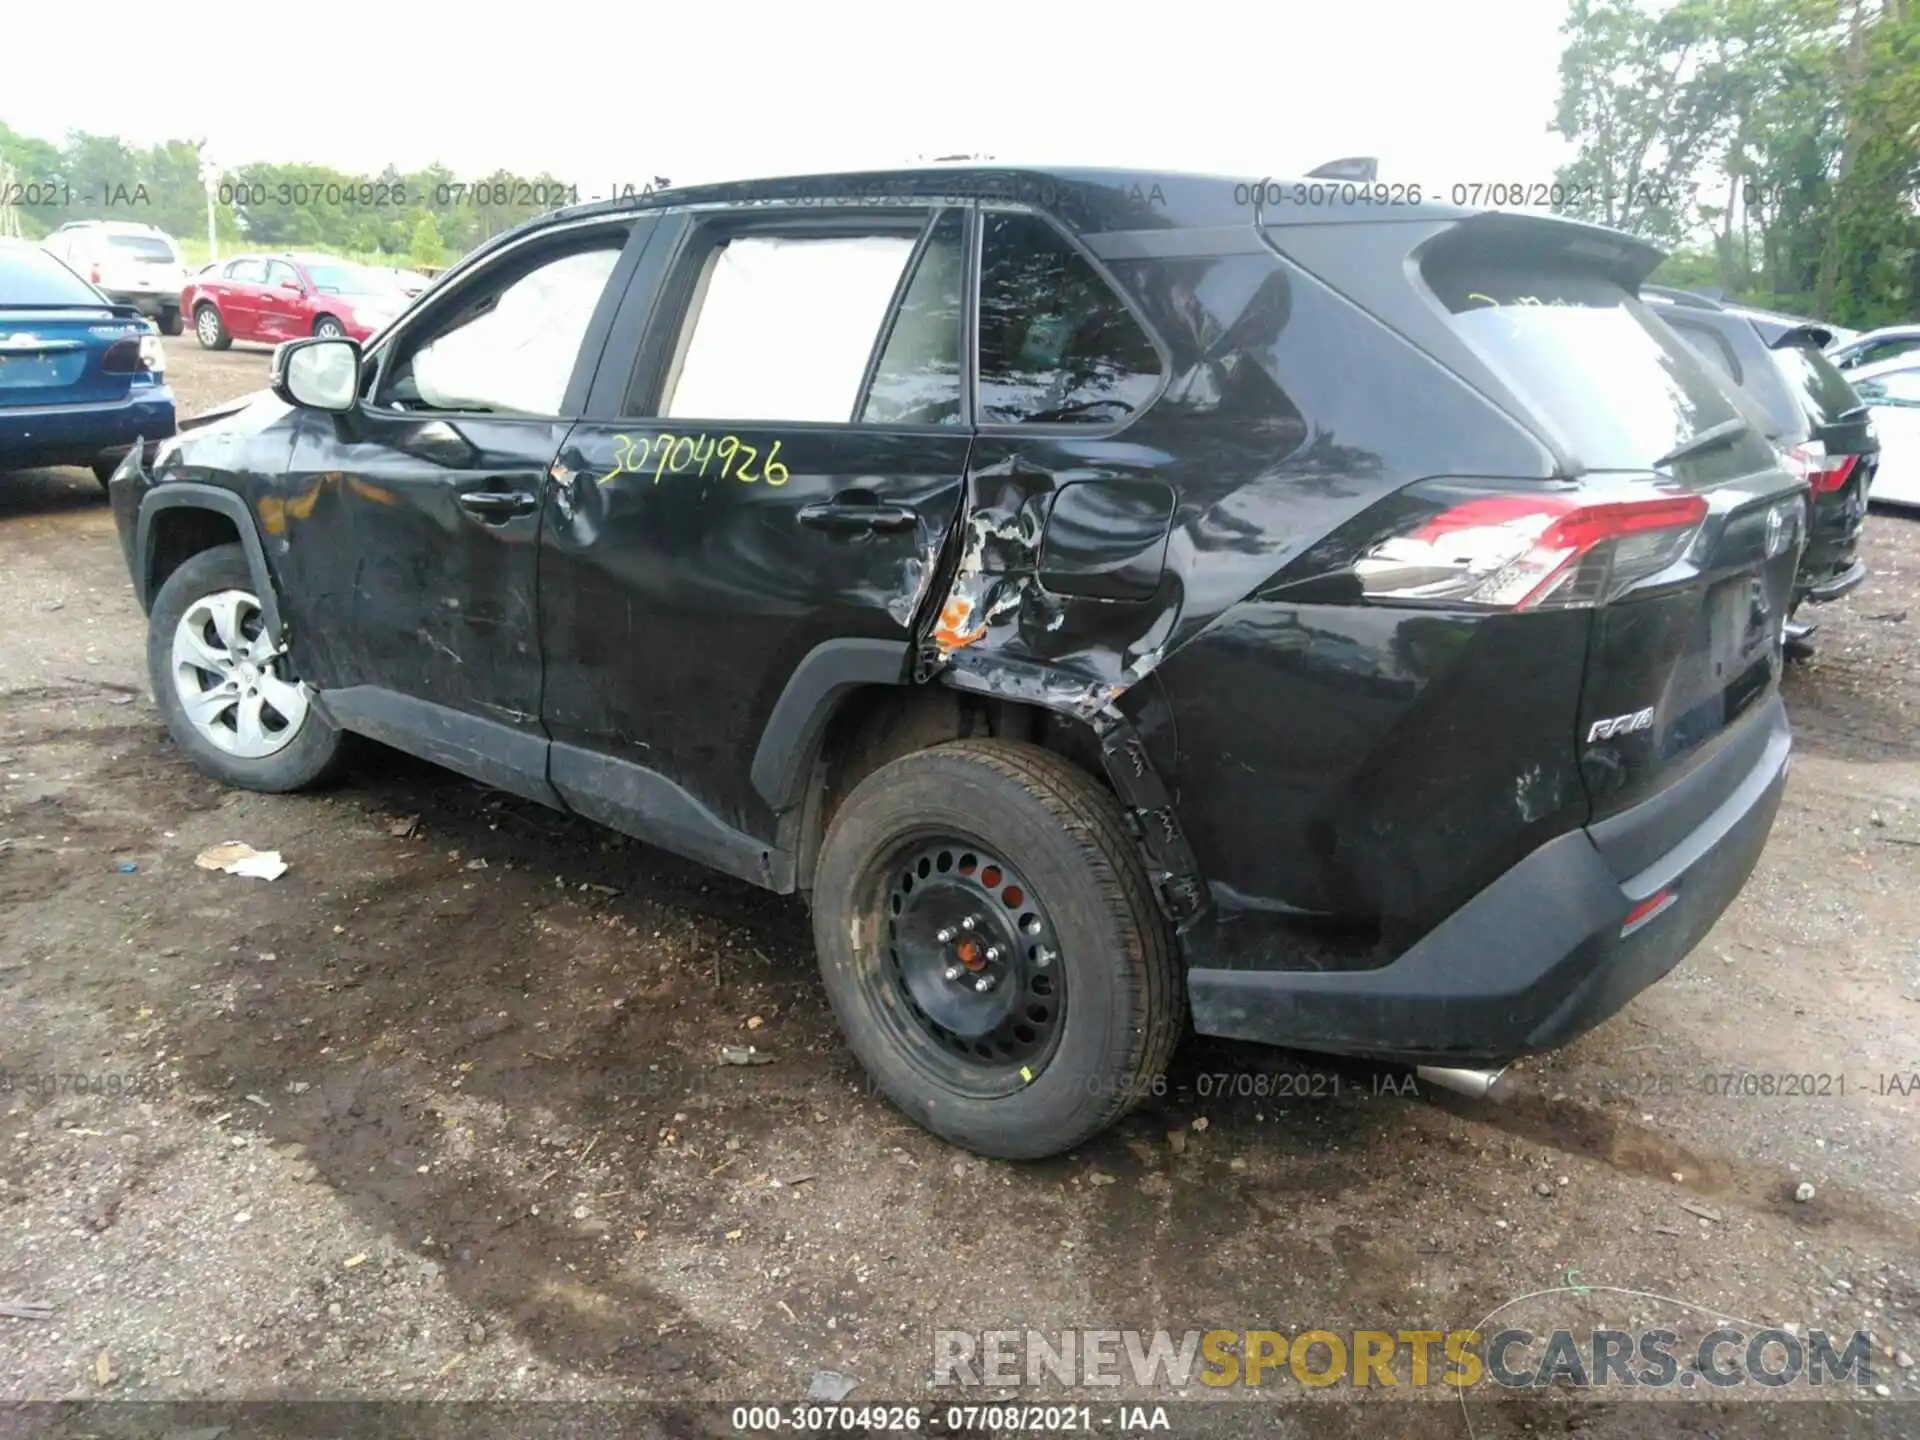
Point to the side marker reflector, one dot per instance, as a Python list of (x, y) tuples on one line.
[(1647, 909)]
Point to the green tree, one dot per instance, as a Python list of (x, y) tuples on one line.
[(1780, 137), (426, 249)]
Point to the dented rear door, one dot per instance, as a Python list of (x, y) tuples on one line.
[(698, 556)]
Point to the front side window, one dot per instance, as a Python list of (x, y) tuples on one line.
[(1057, 345), (280, 273), (347, 280), (782, 326), (510, 343)]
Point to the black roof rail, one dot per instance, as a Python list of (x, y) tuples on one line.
[(1692, 299), (1352, 167)]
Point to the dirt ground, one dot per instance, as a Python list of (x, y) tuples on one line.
[(439, 1115)]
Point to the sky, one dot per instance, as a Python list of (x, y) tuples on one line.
[(608, 96)]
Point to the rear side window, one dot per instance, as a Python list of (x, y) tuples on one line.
[(1619, 386), (782, 327), (1822, 390), (30, 276), (144, 247), (1057, 345), (248, 272), (917, 380)]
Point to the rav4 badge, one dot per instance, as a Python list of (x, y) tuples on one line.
[(1621, 725)]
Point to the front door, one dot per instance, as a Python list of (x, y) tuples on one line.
[(761, 519), (409, 527), (239, 297), (283, 304)]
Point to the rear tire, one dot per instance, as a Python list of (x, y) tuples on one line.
[(103, 471), (170, 322), (209, 328), (252, 722), (1083, 1004)]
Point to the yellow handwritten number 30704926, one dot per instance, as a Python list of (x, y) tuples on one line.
[(676, 454)]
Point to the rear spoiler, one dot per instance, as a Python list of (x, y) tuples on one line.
[(1354, 167), (1818, 336), (1508, 237)]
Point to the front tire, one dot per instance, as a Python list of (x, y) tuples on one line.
[(990, 944), (328, 328), (209, 329), (230, 700)]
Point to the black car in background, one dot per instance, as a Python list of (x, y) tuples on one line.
[(1107, 596), (1812, 414)]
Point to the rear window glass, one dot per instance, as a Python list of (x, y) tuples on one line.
[(30, 276), (143, 247), (1618, 386), (1822, 390)]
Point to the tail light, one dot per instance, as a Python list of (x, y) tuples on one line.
[(1532, 551), (1824, 472), (135, 355)]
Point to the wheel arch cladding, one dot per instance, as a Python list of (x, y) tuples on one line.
[(178, 521)]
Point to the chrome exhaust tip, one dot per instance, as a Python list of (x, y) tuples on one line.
[(1479, 1084)]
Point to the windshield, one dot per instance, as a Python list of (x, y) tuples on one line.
[(30, 276), (348, 280), (146, 247), (1620, 387)]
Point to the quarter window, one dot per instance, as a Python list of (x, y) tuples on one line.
[(782, 327), (1057, 345), (1709, 347), (510, 344)]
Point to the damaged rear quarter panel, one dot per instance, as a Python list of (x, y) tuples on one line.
[(1314, 740)]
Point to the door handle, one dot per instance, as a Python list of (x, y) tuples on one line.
[(498, 504), (846, 517)]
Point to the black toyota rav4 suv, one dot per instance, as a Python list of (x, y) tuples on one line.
[(1105, 595)]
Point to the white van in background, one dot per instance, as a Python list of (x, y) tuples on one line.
[(132, 264)]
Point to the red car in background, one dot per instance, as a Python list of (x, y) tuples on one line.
[(271, 298)]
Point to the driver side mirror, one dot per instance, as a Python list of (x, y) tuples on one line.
[(318, 374)]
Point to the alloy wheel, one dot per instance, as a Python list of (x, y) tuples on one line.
[(235, 686)]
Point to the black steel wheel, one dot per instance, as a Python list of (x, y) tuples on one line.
[(992, 949), (973, 963)]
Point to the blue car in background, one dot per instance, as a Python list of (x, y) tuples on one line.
[(82, 380)]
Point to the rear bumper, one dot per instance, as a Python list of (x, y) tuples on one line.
[(1831, 566), (82, 434), (1530, 962), (1833, 587), (151, 303)]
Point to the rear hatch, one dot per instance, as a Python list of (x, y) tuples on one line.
[(55, 333), (1841, 454), (1684, 653)]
